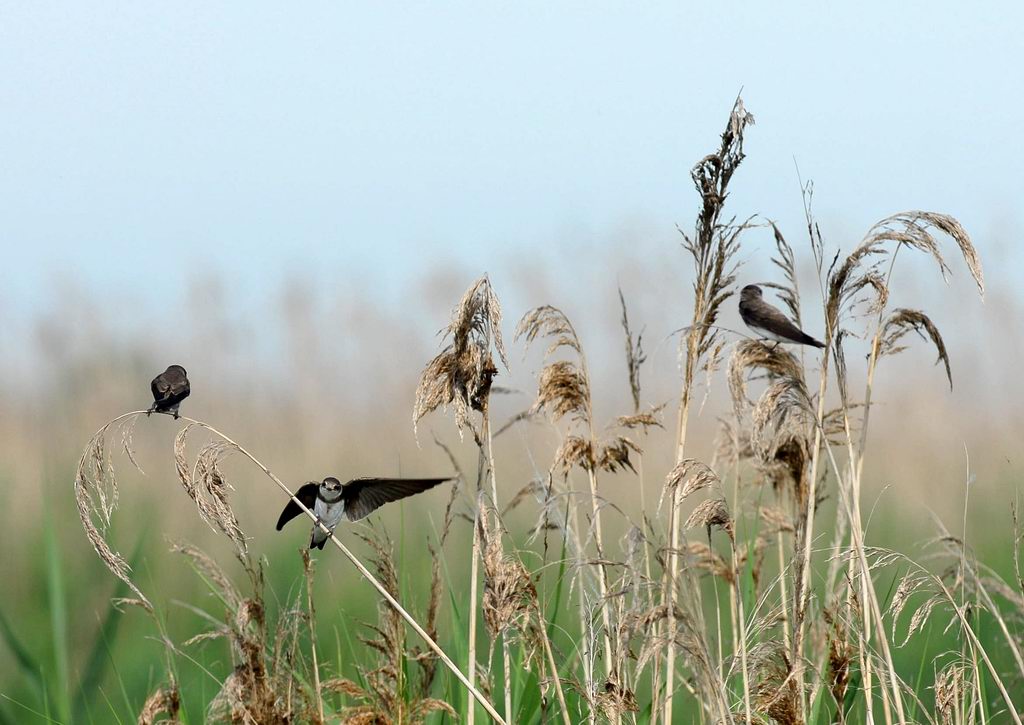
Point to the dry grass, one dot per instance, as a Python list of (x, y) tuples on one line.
[(722, 599)]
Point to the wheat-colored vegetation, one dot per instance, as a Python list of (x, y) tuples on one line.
[(735, 596)]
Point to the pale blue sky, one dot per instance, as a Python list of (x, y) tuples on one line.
[(368, 141)]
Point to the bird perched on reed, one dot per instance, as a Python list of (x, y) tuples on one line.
[(768, 321), (360, 497), (169, 388)]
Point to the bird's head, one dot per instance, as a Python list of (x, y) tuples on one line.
[(177, 369), (750, 293), (330, 485)]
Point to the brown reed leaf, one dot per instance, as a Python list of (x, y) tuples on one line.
[(902, 321)]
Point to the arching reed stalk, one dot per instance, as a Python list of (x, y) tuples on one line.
[(712, 248)]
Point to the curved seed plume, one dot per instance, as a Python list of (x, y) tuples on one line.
[(96, 495), (902, 321), (575, 451), (550, 322), (785, 260), (563, 389), (783, 414), (206, 486), (713, 512), (461, 374), (614, 456), (755, 355), (692, 476), (645, 420), (911, 229)]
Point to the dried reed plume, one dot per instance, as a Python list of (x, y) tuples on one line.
[(461, 374)]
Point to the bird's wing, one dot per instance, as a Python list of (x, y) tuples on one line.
[(160, 387), (306, 494), (773, 315), (363, 496)]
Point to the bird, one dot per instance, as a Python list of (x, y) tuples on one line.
[(768, 321), (169, 388), (331, 500)]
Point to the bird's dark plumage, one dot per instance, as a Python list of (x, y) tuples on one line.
[(307, 494), (330, 500), (768, 321), (363, 496), (169, 388)]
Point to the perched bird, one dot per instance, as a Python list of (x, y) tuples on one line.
[(360, 497), (768, 321), (169, 388)]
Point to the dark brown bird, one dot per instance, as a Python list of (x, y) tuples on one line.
[(169, 388), (767, 321), (360, 497)]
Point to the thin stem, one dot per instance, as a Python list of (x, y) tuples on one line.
[(554, 668), (741, 619), (307, 566), (507, 663)]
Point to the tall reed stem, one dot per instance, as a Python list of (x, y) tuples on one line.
[(307, 567)]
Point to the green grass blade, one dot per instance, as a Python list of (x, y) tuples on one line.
[(23, 706), (29, 666), (95, 666), (58, 625)]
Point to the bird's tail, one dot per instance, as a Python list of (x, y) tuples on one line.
[(318, 539), (808, 340)]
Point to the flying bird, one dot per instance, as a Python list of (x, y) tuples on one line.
[(768, 321), (169, 388), (360, 497)]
